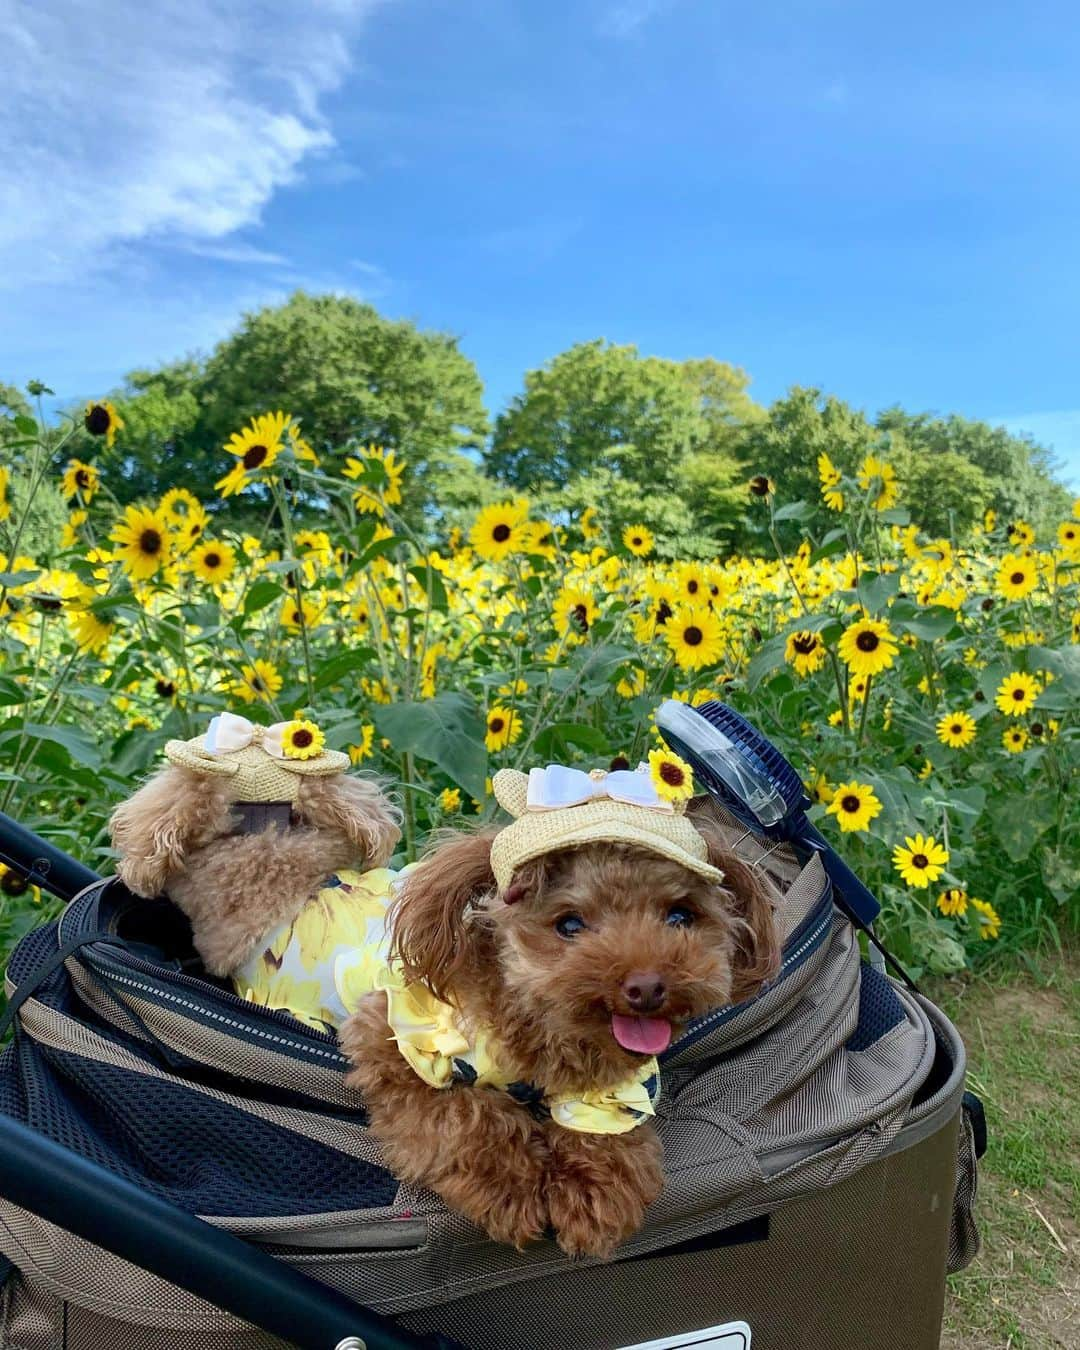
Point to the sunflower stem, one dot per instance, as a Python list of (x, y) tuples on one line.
[(865, 710)]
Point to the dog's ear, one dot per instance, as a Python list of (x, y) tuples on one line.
[(435, 937), (753, 903), (757, 943), (168, 815), (357, 807)]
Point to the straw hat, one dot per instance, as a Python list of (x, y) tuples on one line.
[(252, 757), (543, 824)]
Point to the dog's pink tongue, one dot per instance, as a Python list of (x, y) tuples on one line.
[(644, 1035)]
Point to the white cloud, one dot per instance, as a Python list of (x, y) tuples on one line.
[(237, 253), (625, 17), (129, 120)]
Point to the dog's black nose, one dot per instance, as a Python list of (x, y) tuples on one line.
[(644, 991)]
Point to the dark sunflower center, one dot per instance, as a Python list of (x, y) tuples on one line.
[(851, 803), (1017, 578), (672, 774), (693, 636), (254, 455), (164, 688), (920, 860), (82, 478), (97, 420), (13, 884), (1037, 729), (867, 641), (150, 543), (302, 738), (1018, 694), (956, 728), (619, 762), (693, 587), (759, 485), (194, 529), (257, 683), (636, 540), (501, 533), (663, 612), (496, 725), (804, 643), (212, 560), (581, 617)]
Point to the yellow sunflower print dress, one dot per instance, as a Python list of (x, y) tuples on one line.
[(337, 950)]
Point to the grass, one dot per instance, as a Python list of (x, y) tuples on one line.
[(1022, 1031)]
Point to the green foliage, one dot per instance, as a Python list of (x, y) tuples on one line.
[(350, 375), (600, 415)]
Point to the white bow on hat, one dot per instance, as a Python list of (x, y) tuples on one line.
[(229, 731), (557, 786)]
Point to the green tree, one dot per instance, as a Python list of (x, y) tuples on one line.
[(350, 375), (162, 444), (1018, 472), (649, 439)]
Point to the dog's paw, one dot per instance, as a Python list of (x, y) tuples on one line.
[(515, 1219), (598, 1191)]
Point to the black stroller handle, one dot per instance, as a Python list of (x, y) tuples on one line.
[(42, 863), (84, 1199)]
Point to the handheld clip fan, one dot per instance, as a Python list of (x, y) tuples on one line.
[(752, 779)]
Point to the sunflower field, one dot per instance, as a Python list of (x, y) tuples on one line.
[(926, 688)]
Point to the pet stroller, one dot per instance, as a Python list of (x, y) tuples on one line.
[(194, 1163)]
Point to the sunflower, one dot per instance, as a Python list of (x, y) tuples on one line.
[(632, 683), (255, 448), (695, 636), (305, 611), (589, 525), (1014, 739), (5, 504), (921, 861), (1069, 539), (497, 531), (761, 486), (693, 582), (1017, 693), (80, 480), (13, 883), (503, 727), (854, 805), (1017, 576), (374, 497), (672, 777), (301, 739), (989, 920), (830, 477), (878, 480), (69, 535), (953, 902), (102, 419), (1020, 532), (956, 730), (258, 682), (362, 750), (143, 542), (867, 647), (805, 651), (450, 800), (575, 610), (990, 520), (638, 540), (90, 632), (819, 790), (213, 562), (178, 506)]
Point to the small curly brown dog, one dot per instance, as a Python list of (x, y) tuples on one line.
[(585, 965), (198, 830)]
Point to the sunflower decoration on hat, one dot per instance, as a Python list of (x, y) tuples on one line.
[(559, 807), (264, 764)]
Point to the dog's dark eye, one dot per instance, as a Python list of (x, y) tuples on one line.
[(678, 916), (570, 925)]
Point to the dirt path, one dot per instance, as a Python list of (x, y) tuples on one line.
[(1023, 1038)]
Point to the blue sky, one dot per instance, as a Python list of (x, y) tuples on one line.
[(880, 200)]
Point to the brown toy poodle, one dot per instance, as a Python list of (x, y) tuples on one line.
[(586, 961)]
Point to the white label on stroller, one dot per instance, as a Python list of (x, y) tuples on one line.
[(731, 1336)]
